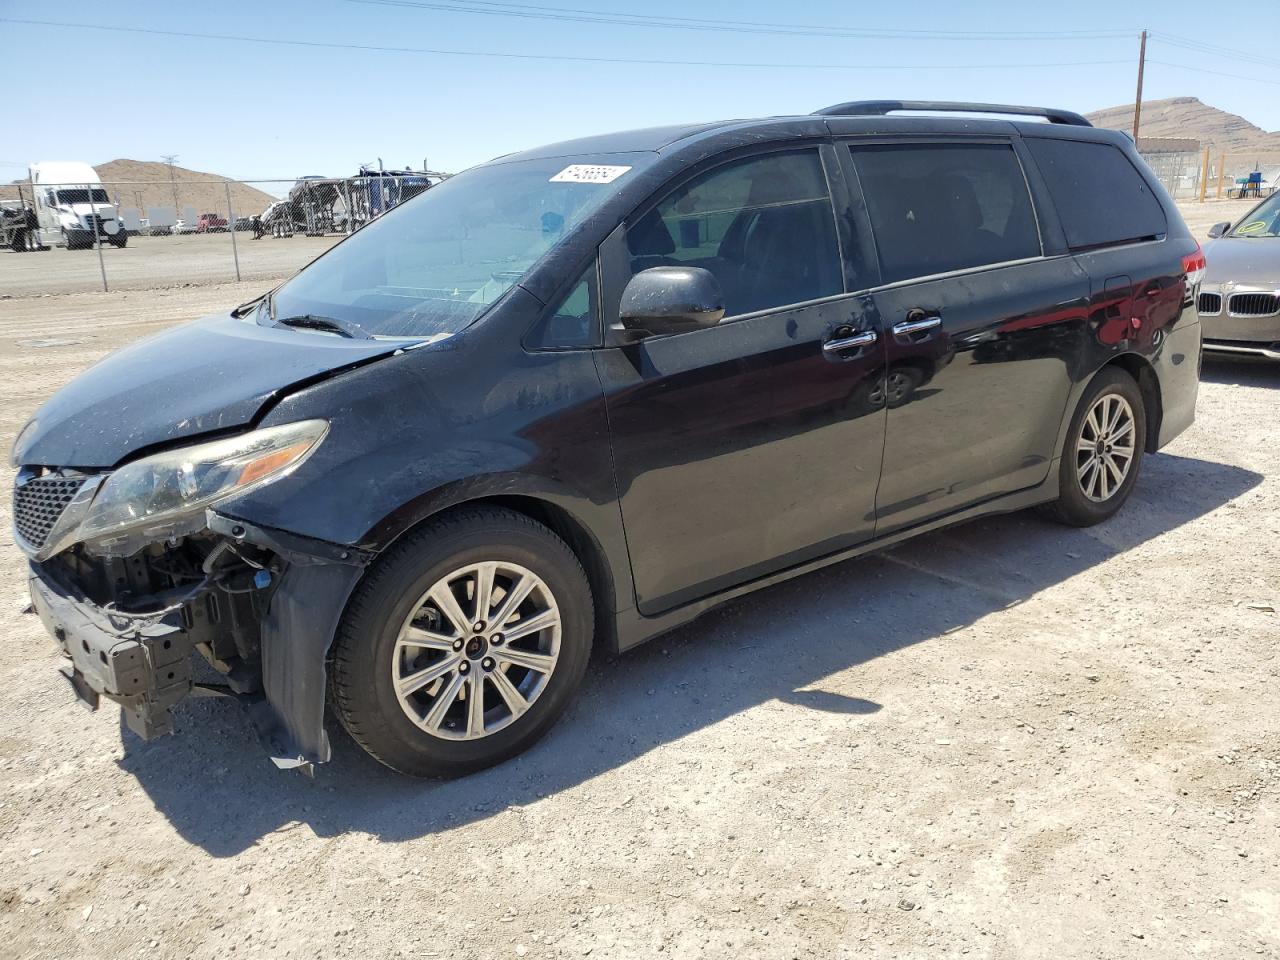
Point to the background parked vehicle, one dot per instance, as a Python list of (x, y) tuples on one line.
[(72, 207), (1240, 301), (211, 223), (19, 228)]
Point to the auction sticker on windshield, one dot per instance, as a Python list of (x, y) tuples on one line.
[(588, 173)]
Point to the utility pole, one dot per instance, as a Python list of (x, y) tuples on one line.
[(1137, 101), (172, 158)]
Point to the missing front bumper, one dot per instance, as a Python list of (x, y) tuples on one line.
[(146, 668), (145, 664)]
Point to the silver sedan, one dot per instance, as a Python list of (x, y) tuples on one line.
[(1240, 297)]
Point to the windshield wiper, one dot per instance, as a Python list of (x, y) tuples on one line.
[(312, 321), (248, 305)]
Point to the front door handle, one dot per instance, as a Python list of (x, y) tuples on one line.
[(864, 339), (916, 324)]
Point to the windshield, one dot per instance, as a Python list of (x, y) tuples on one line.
[(81, 195), (1261, 222), (433, 264)]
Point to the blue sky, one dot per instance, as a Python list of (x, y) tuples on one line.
[(251, 110)]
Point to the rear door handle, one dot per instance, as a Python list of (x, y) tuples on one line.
[(864, 339), (916, 325)]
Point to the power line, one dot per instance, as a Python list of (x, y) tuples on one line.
[(578, 15), (316, 44), (1216, 73), (1201, 46)]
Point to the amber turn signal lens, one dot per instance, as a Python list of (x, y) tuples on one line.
[(269, 463)]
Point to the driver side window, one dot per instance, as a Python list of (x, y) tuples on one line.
[(763, 226)]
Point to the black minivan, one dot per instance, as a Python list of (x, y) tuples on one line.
[(578, 395)]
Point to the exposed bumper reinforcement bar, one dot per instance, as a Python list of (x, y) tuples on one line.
[(144, 667)]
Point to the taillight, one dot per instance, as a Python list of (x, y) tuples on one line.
[(1193, 265)]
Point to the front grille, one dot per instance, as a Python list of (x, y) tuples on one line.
[(38, 503), (1210, 303), (1253, 305)]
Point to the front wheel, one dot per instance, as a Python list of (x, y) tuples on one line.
[(463, 644), (1103, 452)]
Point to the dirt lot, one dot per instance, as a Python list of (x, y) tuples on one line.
[(149, 262), (1010, 740)]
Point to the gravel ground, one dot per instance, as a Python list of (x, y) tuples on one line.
[(1008, 740), (150, 262)]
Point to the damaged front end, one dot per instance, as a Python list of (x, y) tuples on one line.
[(133, 570)]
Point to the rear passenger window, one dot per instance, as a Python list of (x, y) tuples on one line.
[(763, 226), (942, 207), (1100, 196)]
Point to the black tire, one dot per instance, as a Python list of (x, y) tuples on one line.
[(1073, 506), (362, 690), (120, 239), (19, 242)]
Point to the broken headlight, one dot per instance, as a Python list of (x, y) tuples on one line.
[(153, 492)]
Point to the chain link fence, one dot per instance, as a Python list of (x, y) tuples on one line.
[(1214, 175), (60, 238), (132, 235)]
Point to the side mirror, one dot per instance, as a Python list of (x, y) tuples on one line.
[(1218, 229), (664, 300)]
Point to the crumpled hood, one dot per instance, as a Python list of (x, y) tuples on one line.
[(212, 375), (1241, 260)]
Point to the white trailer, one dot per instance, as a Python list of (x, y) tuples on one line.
[(72, 207)]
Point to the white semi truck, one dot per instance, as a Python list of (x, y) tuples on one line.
[(71, 205)]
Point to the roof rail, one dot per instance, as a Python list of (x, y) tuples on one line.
[(879, 108)]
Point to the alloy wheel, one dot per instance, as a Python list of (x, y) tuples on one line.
[(477, 651), (1106, 447)]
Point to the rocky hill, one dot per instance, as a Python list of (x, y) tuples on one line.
[(1223, 132), (145, 183)]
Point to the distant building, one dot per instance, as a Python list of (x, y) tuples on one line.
[(1148, 145)]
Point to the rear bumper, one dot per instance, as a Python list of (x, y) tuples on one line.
[(146, 668), (1177, 366)]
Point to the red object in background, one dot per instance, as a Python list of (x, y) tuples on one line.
[(210, 223)]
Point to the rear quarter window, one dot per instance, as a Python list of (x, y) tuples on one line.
[(1100, 196)]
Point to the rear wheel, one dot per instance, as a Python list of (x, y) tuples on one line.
[(464, 644), (120, 239), (1103, 452)]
